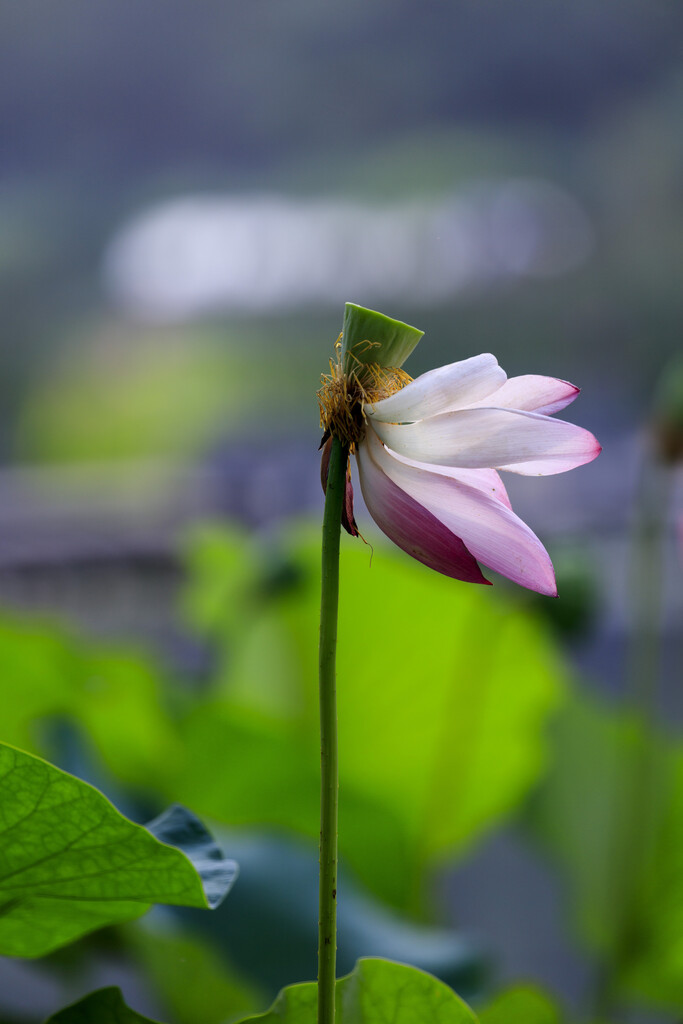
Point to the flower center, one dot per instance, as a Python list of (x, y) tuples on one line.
[(343, 396)]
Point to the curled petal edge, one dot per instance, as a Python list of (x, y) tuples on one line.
[(531, 392)]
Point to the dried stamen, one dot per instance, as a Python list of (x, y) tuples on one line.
[(344, 394)]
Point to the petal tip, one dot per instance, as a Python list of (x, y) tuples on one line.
[(551, 590)]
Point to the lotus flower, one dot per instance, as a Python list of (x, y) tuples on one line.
[(429, 450)]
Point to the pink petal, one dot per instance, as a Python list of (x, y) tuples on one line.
[(486, 480), (523, 442), (531, 393), (441, 390), (489, 530), (411, 526)]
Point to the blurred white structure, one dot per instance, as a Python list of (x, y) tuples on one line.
[(247, 253)]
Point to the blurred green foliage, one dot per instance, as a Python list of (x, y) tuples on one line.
[(611, 812), (521, 1006), (277, 896), (189, 977), (138, 392), (443, 696), (115, 697), (455, 709), (105, 1006)]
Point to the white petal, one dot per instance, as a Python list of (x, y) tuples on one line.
[(491, 531), (532, 393), (441, 390), (493, 438)]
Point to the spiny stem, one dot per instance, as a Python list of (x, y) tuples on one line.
[(329, 602)]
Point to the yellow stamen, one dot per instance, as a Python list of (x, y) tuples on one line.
[(343, 396)]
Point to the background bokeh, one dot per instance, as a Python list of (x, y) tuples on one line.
[(189, 192)]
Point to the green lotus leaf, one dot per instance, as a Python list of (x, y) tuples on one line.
[(70, 862), (376, 992)]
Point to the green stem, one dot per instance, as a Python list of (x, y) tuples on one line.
[(329, 602)]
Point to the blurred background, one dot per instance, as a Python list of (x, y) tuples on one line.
[(188, 195)]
